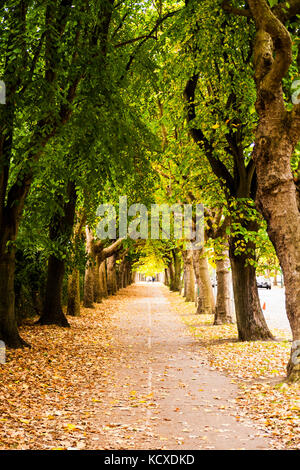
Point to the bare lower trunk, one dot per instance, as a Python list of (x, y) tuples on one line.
[(73, 307), (8, 325), (88, 292), (223, 312), (189, 276), (102, 279), (97, 287), (128, 275), (60, 231), (277, 201), (111, 275), (52, 311), (167, 281), (251, 323), (205, 296), (176, 265), (171, 275), (207, 291), (283, 218)]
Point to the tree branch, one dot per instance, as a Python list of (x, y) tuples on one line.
[(272, 37), (148, 36), (217, 166), (131, 41), (226, 5), (111, 249), (286, 10)]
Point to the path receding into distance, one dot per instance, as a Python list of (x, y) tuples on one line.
[(162, 394)]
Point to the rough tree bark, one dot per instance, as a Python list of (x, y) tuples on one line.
[(97, 287), (171, 274), (111, 275), (205, 296), (61, 229), (223, 313), (88, 291), (103, 283), (167, 280), (189, 276), (207, 290), (73, 306), (277, 135), (176, 270), (8, 325), (251, 323)]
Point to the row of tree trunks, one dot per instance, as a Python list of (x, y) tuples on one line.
[(103, 277), (251, 323)]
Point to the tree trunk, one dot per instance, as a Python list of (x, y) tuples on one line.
[(88, 292), (223, 312), (205, 296), (277, 135), (189, 277), (200, 305), (127, 274), (102, 278), (171, 275), (277, 201), (176, 271), (251, 323), (52, 312), (73, 307), (8, 325), (167, 280), (207, 291), (279, 207), (111, 275), (97, 288), (61, 229)]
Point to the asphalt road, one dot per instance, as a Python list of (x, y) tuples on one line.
[(274, 311)]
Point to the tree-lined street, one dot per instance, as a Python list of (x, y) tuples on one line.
[(149, 197)]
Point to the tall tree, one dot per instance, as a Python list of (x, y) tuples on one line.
[(45, 51), (276, 138)]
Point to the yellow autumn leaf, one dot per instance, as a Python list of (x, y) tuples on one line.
[(26, 421), (70, 427)]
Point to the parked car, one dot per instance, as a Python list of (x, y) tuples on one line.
[(263, 283)]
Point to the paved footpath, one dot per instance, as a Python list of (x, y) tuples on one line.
[(161, 392)]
